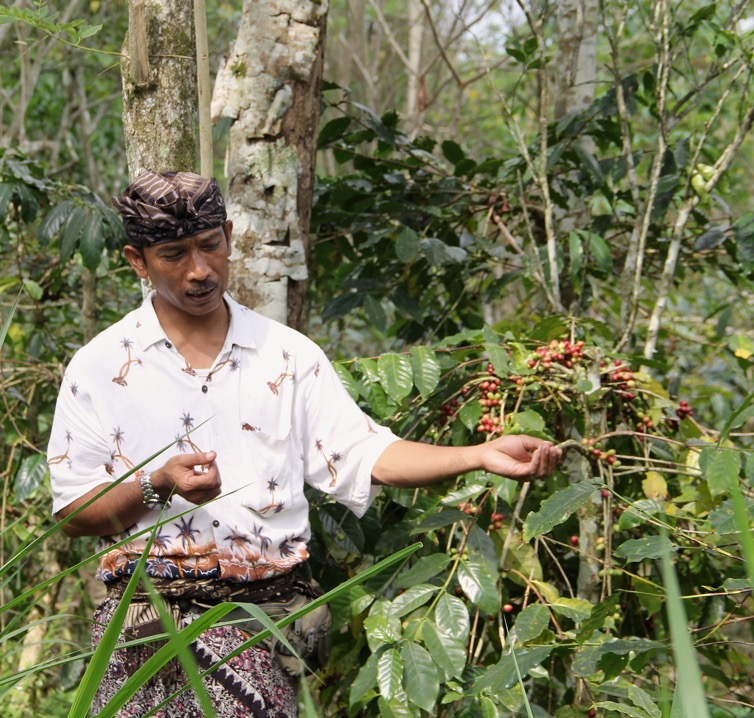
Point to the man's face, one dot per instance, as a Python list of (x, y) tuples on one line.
[(189, 274)]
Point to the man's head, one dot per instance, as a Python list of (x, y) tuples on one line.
[(163, 207), (178, 237)]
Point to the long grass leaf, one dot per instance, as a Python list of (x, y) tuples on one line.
[(97, 666), (210, 617), (9, 319), (689, 688)]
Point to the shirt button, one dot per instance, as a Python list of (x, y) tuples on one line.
[(204, 388), (168, 345), (215, 523)]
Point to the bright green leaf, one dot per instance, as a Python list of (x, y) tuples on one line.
[(426, 568), (396, 375), (426, 369), (412, 599), (480, 586), (30, 476), (389, 673), (420, 679), (451, 613)]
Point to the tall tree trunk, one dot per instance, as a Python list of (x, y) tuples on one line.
[(415, 94), (159, 87), (574, 81), (577, 55), (269, 86)]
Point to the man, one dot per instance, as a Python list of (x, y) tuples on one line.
[(250, 410)]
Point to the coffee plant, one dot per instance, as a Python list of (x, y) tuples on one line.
[(548, 595)]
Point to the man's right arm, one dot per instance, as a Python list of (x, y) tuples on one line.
[(123, 505)]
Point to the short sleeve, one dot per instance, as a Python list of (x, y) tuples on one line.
[(341, 443), (78, 453)]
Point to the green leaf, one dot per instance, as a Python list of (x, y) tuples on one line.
[(435, 251), (469, 414), (346, 378), (531, 622), (558, 508), (375, 312), (366, 680), (389, 673), (451, 613), (449, 653), (577, 609), (622, 708), (585, 661), (530, 421), (503, 674), (343, 527), (412, 599), (420, 679), (720, 468), (479, 586), (54, 221), (439, 520), (341, 305), (597, 617), (576, 255), (426, 369), (33, 289), (6, 193), (645, 547), (92, 242), (333, 130), (73, 227), (498, 358), (406, 245), (29, 203), (689, 686), (643, 700), (481, 549), (381, 631), (600, 250), (452, 151), (395, 375), (426, 568), (30, 476)]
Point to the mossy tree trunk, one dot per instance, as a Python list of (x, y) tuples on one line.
[(159, 87), (269, 87)]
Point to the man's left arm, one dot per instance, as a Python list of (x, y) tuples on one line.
[(408, 464)]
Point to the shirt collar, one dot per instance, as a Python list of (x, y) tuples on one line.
[(241, 331)]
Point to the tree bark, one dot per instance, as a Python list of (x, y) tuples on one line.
[(159, 87), (577, 55), (269, 86)]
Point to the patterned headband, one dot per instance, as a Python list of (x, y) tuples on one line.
[(163, 207)]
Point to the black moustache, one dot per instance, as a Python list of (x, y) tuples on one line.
[(203, 289)]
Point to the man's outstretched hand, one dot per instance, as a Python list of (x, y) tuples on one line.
[(520, 457)]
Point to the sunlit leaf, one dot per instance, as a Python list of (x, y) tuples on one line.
[(480, 586), (396, 375), (420, 679), (451, 613), (426, 369), (389, 673)]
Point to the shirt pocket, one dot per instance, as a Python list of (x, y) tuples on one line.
[(267, 464)]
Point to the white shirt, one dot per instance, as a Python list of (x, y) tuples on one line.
[(271, 406)]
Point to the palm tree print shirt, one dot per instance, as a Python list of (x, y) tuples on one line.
[(271, 406)]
